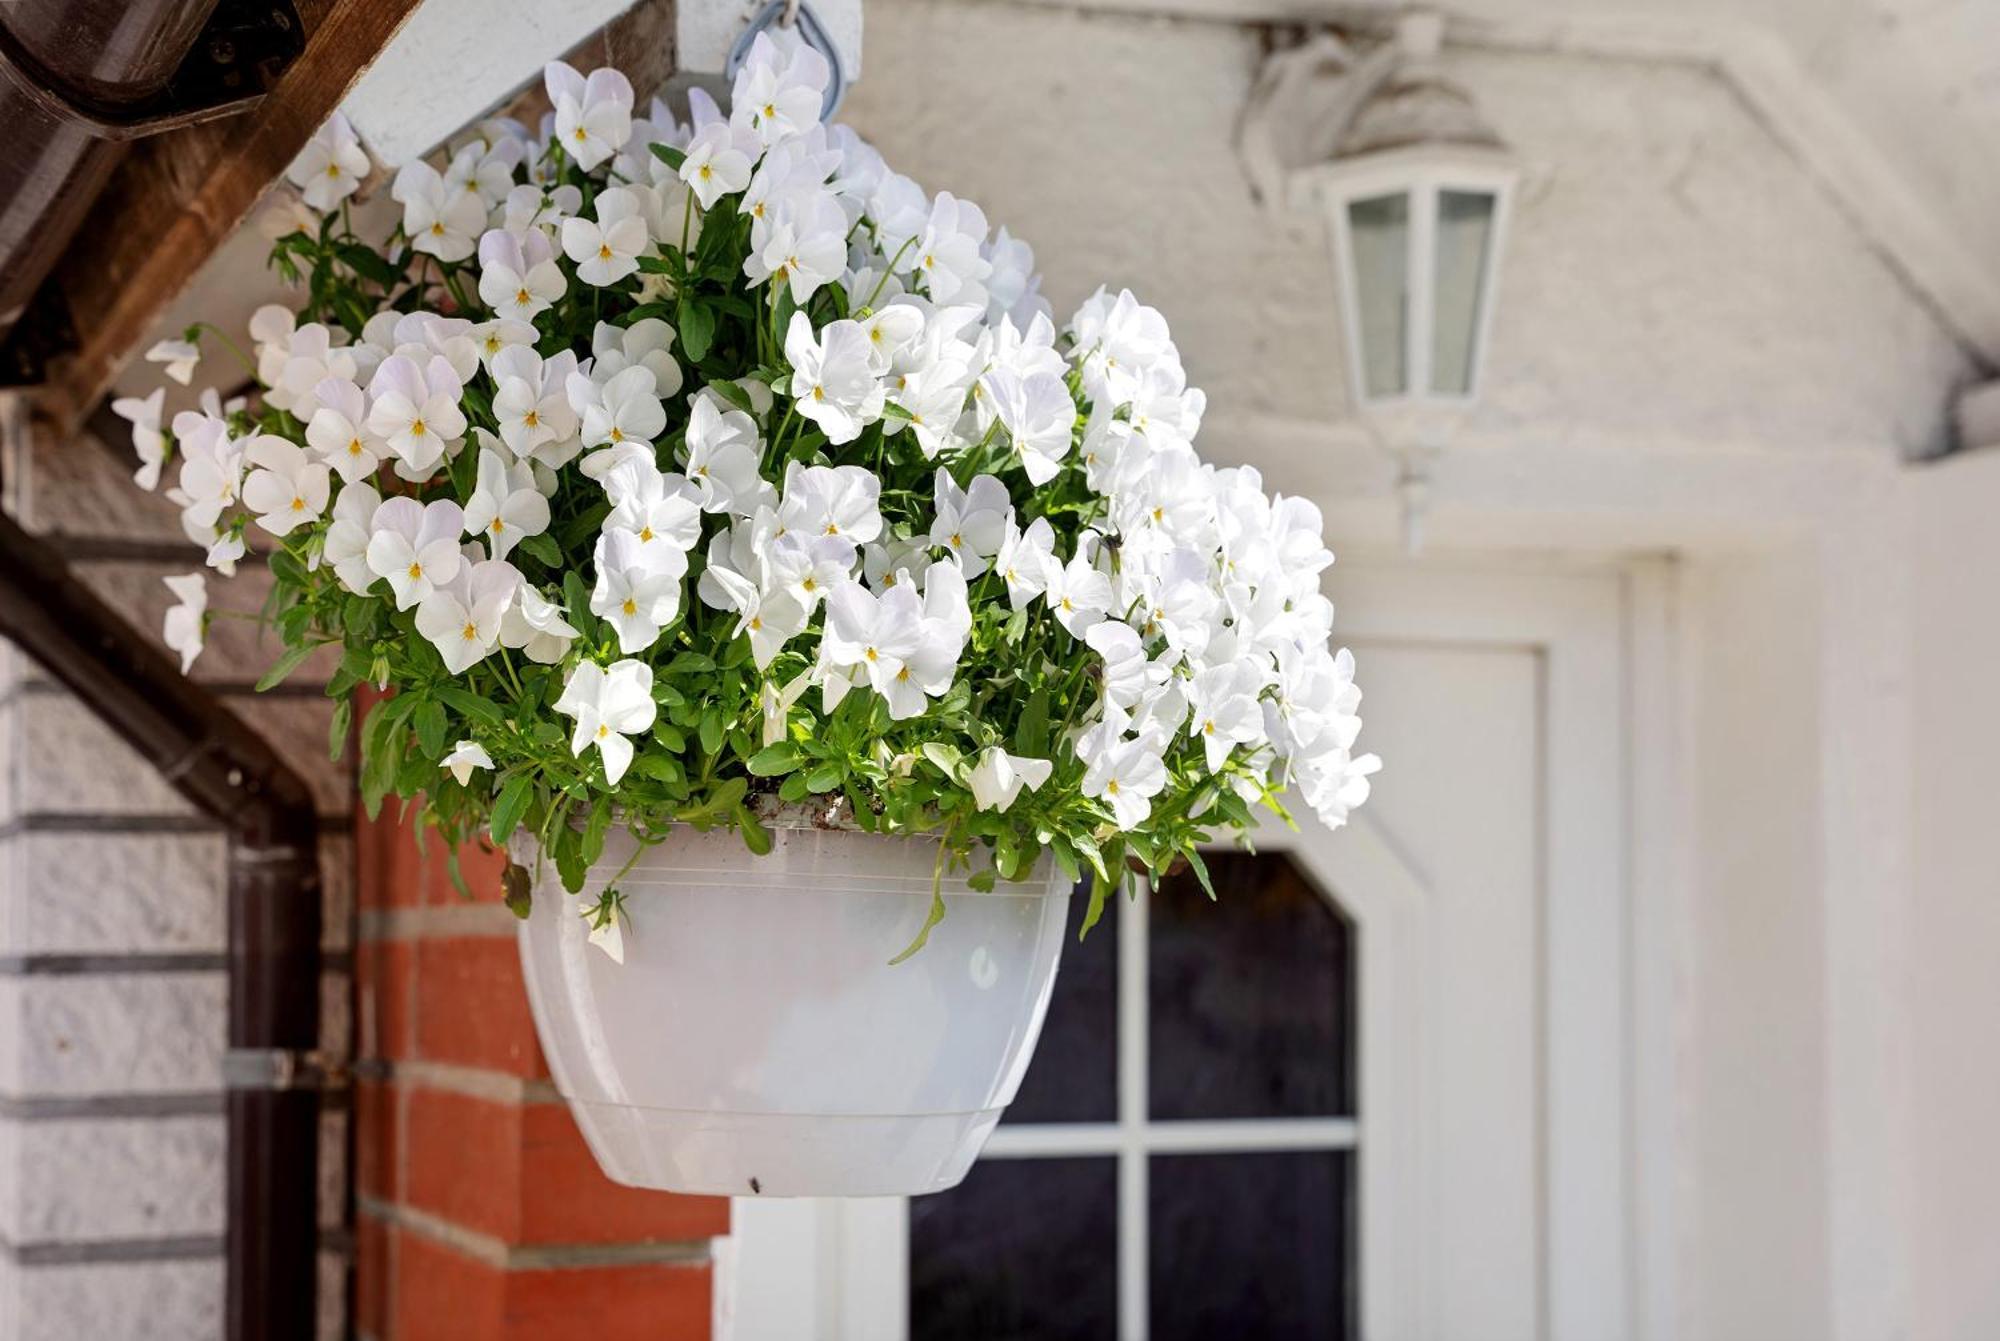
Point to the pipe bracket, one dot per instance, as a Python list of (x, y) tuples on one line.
[(284, 1069)]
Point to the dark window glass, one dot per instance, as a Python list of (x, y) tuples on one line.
[(1074, 1074), (1251, 1245), (1250, 995), (1022, 1250)]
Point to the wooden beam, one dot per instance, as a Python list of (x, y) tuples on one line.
[(175, 199)]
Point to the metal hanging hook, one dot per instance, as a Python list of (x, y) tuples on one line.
[(798, 14)]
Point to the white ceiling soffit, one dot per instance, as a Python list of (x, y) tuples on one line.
[(1920, 233), (456, 58)]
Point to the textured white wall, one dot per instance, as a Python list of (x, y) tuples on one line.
[(1674, 276)]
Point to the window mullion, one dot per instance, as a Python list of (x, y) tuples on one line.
[(1132, 1104)]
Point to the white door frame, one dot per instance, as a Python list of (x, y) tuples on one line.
[(811, 1271)]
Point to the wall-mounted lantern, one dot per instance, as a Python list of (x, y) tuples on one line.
[(1416, 188)]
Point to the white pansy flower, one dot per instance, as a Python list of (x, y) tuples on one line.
[(461, 615), (721, 457), (505, 506), (1126, 777), (536, 626), (438, 219), (345, 549), (286, 488), (635, 598), (330, 167), (186, 630), (835, 502), (779, 93), (531, 403), (609, 704), (999, 776), (414, 410), (905, 656), (608, 249), (518, 275), (593, 116), (339, 431), (948, 252), (415, 546), (775, 705), (464, 757), (832, 380), (179, 356), (1077, 593), (1226, 712), (1039, 418), (1024, 560), (143, 413), (971, 522), (624, 409), (717, 163), (647, 342), (491, 337)]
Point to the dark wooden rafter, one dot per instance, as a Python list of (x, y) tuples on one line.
[(176, 198)]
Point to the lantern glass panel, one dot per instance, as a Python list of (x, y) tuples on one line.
[(1464, 235), (1379, 232)]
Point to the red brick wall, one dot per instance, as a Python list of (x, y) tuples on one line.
[(481, 1216)]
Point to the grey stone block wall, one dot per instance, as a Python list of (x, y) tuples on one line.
[(112, 927)]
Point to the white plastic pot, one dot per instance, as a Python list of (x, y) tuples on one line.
[(756, 1040)]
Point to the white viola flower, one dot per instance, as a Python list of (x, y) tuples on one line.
[(607, 250), (1118, 339), (971, 523), (505, 506), (286, 488), (769, 619), (1125, 674), (531, 403), (536, 626), (1226, 711), (637, 599), (271, 328), (415, 546), (717, 163), (775, 705), (647, 342), (891, 329), (419, 335), (491, 337), (143, 413), (464, 757), (1024, 560), (339, 430), (805, 248), (904, 657), (946, 603), (225, 550), (345, 548), (933, 398), (414, 410), (836, 502), (898, 559), (779, 93), (211, 474), (609, 704), (624, 409), (1077, 593), (721, 457), (1126, 776), (1039, 417), (999, 776), (461, 616), (948, 252), (658, 508), (330, 167), (1013, 289), (309, 358), (832, 381), (186, 630), (438, 219), (593, 116), (518, 275), (179, 356), (537, 206)]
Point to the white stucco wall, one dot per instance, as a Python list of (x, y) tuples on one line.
[(1675, 276)]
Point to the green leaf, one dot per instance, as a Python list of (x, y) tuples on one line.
[(457, 873), (824, 778), (734, 394), (981, 880), (697, 328), (1031, 734), (670, 736), (1098, 890), (595, 829), (891, 410), (689, 663), (711, 731), (293, 658), (543, 548), (286, 568), (570, 864), (773, 760), (430, 723), (755, 836), (516, 889), (670, 156), (339, 728), (1200, 869), (931, 919), (511, 805), (944, 758), (472, 705)]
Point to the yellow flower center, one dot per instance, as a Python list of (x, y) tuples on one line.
[(417, 428), (354, 446), (617, 434), (602, 731), (646, 534), (416, 570), (631, 607), (870, 654), (333, 169), (437, 229), (1111, 787), (298, 505), (704, 172), (470, 632), (604, 251), (498, 526), (532, 418), (522, 297)]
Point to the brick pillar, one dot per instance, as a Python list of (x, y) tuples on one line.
[(481, 1214)]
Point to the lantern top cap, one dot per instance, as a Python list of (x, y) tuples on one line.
[(1414, 104)]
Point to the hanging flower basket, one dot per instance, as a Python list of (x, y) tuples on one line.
[(680, 480)]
